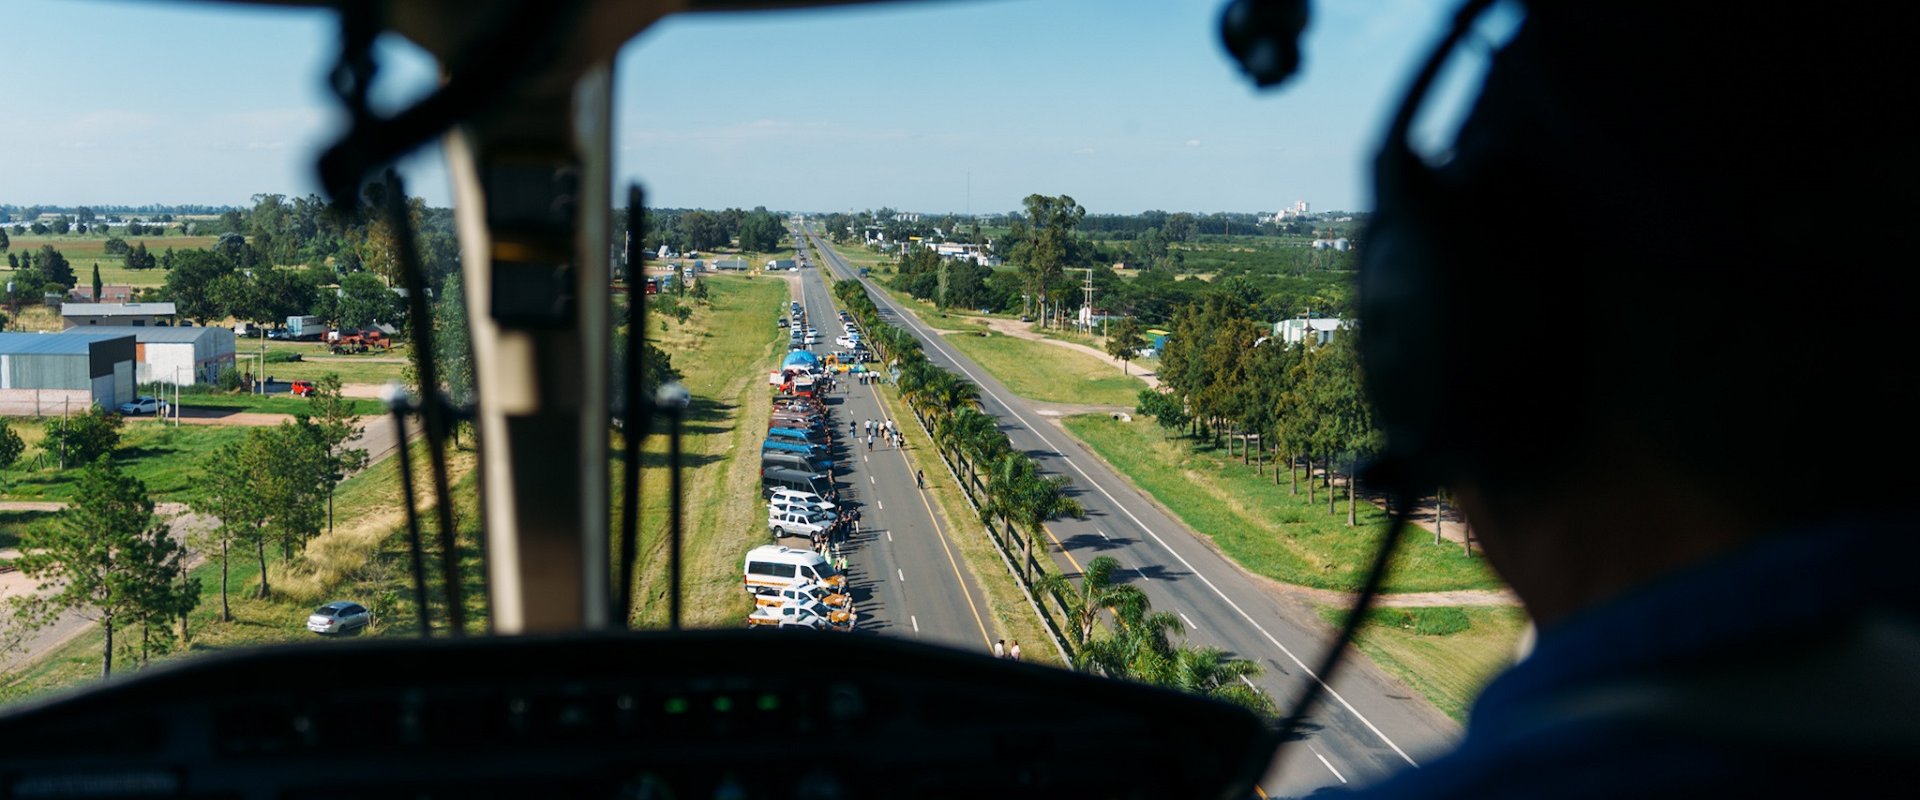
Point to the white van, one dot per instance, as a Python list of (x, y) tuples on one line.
[(771, 566)]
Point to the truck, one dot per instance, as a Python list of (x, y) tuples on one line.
[(816, 616), (803, 593), (305, 328)]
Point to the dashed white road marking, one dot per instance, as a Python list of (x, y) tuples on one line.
[(889, 536), (1190, 625), (903, 575), (1328, 764), (916, 629)]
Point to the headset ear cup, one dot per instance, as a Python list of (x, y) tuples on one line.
[(1401, 333)]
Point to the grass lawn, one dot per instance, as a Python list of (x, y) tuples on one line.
[(1447, 653), (167, 458), (1264, 528), (364, 559), (858, 256), (723, 353), (1044, 372), (269, 404), (306, 361)]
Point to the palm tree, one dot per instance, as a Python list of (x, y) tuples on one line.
[(1140, 646), (1209, 672), (1024, 498), (1096, 593)]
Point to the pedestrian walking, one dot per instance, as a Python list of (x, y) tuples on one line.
[(1014, 651), (999, 648), (869, 442), (920, 479)]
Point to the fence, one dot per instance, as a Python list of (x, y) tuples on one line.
[(44, 402)]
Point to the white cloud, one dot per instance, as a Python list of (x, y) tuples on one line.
[(1193, 142)]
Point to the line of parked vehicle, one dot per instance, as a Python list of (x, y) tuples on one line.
[(799, 586)]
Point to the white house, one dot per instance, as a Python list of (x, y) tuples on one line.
[(1292, 331)]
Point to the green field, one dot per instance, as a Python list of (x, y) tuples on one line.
[(85, 251), (1262, 527), (1447, 653), (1048, 373)]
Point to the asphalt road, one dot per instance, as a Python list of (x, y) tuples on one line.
[(1367, 727), (906, 577)]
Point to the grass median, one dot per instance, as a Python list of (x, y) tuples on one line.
[(1261, 525), (1049, 373), (1447, 653), (723, 353)]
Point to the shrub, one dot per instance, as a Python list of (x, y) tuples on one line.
[(230, 378)]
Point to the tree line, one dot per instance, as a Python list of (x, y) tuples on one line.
[(694, 230), (1139, 645), (1225, 378), (1051, 263)]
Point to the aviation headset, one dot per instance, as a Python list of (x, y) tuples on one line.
[(1440, 379)]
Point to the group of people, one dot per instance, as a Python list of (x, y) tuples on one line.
[(1002, 650), (884, 430), (840, 531)]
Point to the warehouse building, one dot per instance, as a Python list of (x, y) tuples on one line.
[(182, 356), (48, 374), (130, 315)]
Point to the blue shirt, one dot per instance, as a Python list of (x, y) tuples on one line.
[(1789, 668)]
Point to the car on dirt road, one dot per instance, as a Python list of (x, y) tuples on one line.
[(144, 404)]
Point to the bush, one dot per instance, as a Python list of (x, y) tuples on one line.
[(230, 378), (83, 438)]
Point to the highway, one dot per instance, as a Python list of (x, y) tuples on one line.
[(906, 576), (1368, 726)]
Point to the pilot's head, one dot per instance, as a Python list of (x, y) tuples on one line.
[(1652, 305)]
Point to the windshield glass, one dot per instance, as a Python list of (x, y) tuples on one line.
[(1104, 394)]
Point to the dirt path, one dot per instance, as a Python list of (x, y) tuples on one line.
[(1024, 330)]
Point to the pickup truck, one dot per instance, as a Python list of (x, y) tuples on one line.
[(815, 615), (794, 523), (804, 593), (780, 505)]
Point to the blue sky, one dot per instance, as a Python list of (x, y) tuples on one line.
[(1125, 104)]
